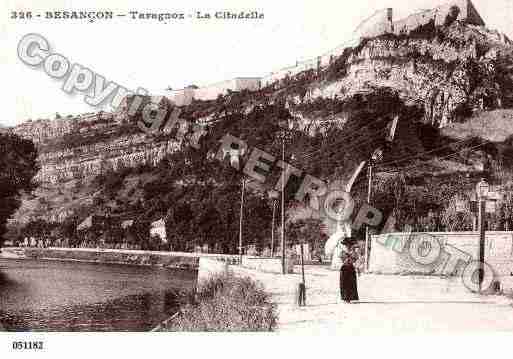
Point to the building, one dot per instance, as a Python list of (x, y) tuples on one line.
[(382, 21), (185, 96), (158, 229)]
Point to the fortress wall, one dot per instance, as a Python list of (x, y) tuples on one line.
[(381, 22), (181, 97), (468, 14), (311, 64), (276, 76), (412, 22), (213, 91), (249, 83), (378, 24)]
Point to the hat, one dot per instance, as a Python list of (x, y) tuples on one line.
[(348, 241)]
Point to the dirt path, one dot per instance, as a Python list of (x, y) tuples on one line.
[(388, 304)]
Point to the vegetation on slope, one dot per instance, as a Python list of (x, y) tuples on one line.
[(199, 197), (17, 168)]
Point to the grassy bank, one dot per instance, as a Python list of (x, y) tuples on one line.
[(227, 303)]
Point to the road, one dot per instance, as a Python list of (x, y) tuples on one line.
[(388, 304)]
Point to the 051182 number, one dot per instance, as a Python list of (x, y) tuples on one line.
[(19, 345)]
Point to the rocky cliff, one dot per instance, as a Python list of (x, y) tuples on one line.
[(448, 72), (86, 146)]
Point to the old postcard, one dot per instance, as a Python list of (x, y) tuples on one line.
[(338, 169)]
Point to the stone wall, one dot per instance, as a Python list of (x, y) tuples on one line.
[(114, 256), (382, 23), (185, 96), (181, 97), (378, 24), (267, 265), (119, 256), (389, 252)]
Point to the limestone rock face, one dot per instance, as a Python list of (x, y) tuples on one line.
[(449, 71), (74, 148)]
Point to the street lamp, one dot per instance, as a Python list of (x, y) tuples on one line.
[(301, 300), (234, 160), (482, 190), (283, 135), (377, 156), (240, 218)]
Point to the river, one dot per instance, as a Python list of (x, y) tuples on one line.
[(38, 295)]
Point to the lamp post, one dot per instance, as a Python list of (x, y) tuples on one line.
[(240, 219), (284, 135), (301, 300), (482, 190), (376, 156)]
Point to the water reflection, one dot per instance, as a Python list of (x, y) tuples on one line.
[(59, 296)]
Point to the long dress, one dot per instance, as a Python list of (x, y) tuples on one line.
[(348, 287)]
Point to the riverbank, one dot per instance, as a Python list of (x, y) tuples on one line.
[(388, 304), (179, 260), (42, 295)]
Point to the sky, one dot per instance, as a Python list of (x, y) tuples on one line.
[(152, 55)]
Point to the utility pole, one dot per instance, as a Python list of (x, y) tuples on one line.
[(284, 136), (283, 269), (301, 299), (240, 219), (376, 156), (367, 234), (272, 229)]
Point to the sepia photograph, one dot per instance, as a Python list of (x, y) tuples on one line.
[(301, 168)]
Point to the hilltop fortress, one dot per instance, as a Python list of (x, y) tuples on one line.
[(380, 23), (447, 72)]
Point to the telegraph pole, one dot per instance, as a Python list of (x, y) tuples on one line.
[(272, 229), (376, 156), (367, 234), (284, 136), (240, 219), (283, 269), (301, 300)]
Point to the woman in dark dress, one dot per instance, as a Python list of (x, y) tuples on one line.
[(348, 286)]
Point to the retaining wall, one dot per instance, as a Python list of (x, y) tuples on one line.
[(267, 265), (389, 253), (136, 257)]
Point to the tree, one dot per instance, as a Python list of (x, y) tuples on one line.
[(309, 231), (18, 166)]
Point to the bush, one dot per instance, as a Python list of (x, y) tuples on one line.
[(227, 303)]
